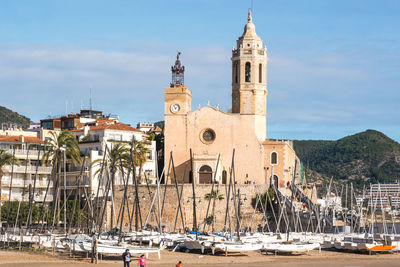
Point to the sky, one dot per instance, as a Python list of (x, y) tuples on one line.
[(333, 69)]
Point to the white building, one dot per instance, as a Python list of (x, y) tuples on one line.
[(30, 177), (384, 195), (330, 201), (94, 138)]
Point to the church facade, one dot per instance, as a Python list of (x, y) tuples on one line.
[(219, 140)]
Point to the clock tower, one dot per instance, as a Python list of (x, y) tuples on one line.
[(177, 107), (178, 98)]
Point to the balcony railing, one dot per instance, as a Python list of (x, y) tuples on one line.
[(15, 197), (25, 183), (28, 169), (24, 152)]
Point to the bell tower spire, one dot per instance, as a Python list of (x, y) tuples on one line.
[(249, 74), (249, 17)]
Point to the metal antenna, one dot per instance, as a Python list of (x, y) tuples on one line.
[(90, 99)]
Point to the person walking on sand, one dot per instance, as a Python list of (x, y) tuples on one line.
[(179, 264), (142, 261), (126, 257)]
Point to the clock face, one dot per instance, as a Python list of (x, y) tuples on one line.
[(175, 108)]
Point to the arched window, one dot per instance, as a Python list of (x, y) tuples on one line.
[(274, 158), (190, 177), (205, 175), (236, 71), (260, 73), (247, 74), (224, 177)]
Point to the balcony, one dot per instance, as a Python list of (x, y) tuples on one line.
[(24, 152), (25, 183), (72, 183), (28, 169), (25, 198)]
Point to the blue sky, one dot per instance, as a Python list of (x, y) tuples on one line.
[(333, 66)]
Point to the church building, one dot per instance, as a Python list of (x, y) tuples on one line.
[(213, 134)]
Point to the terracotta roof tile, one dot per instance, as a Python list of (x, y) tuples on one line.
[(115, 126), (17, 138)]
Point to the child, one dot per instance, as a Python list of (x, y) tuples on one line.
[(142, 261)]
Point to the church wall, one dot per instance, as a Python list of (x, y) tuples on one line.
[(286, 161), (249, 218), (232, 131)]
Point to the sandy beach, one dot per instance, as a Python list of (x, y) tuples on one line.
[(313, 258)]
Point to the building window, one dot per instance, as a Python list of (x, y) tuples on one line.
[(236, 72), (224, 177), (248, 72), (260, 73), (207, 136), (205, 175), (274, 158)]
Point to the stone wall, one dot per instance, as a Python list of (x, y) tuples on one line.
[(146, 194)]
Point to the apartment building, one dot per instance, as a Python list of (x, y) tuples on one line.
[(384, 196), (31, 176), (93, 140)]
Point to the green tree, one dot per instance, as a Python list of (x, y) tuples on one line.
[(5, 159), (139, 153), (118, 158), (213, 196), (54, 147)]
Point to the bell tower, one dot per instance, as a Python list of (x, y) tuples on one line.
[(177, 97), (177, 107), (249, 73)]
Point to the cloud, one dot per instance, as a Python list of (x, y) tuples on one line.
[(332, 91)]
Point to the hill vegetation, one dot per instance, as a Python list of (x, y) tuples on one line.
[(366, 157), (10, 117)]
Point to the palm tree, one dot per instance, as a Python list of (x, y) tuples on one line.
[(214, 195), (54, 147), (118, 158), (5, 159), (57, 142), (139, 153)]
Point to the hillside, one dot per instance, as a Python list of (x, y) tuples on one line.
[(366, 157), (10, 117)]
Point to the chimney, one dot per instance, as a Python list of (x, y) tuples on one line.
[(21, 138)]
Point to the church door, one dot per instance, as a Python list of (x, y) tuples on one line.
[(205, 175), (276, 181)]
